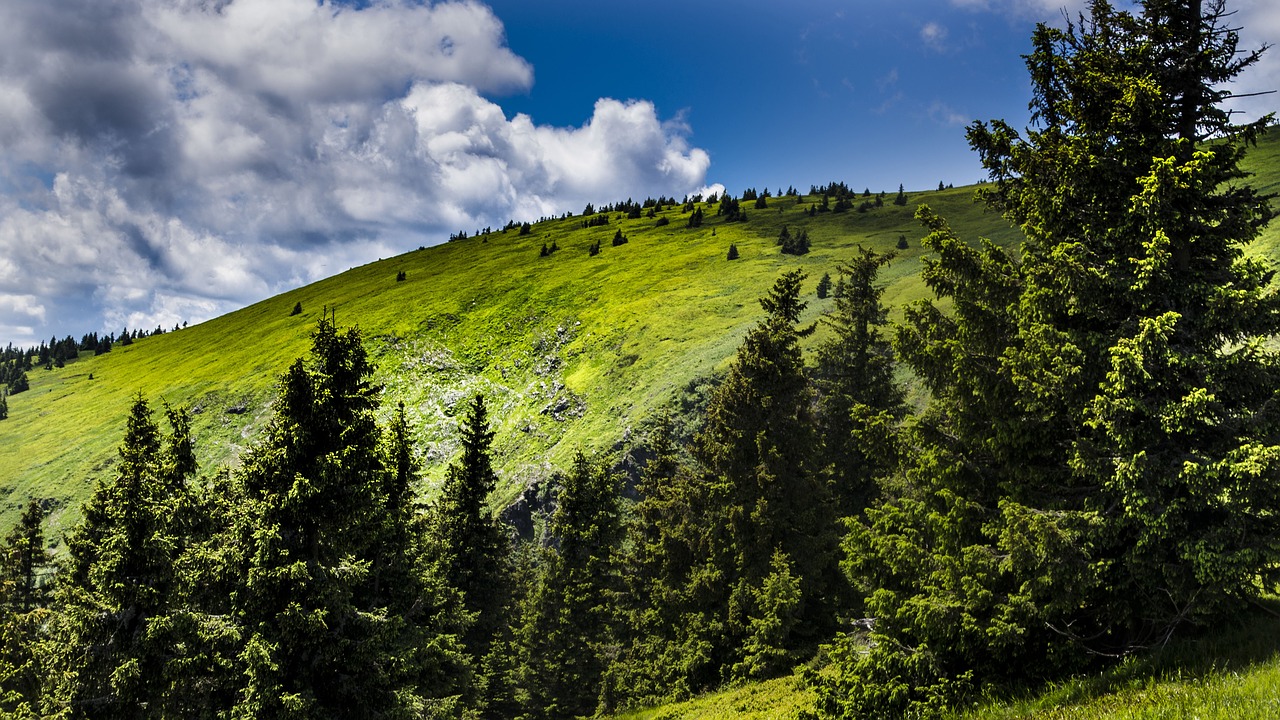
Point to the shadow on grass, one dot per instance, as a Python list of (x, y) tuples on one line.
[(1234, 647)]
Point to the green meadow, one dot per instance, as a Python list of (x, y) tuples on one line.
[(571, 350)]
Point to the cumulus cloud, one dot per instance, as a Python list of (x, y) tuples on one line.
[(168, 160)]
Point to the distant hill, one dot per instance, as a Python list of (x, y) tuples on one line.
[(571, 349)]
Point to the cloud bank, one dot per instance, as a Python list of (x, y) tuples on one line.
[(165, 161)]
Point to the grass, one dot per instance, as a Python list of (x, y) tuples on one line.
[(777, 699), (1230, 673), (572, 351)]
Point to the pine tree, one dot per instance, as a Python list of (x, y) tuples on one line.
[(860, 402), (756, 502), (25, 568), (119, 580), (1093, 397), (4, 405), (473, 546), (321, 636), (568, 621), (824, 286), (733, 252)]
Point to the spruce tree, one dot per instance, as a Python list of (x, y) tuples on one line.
[(324, 634), (568, 621), (25, 570), (119, 582), (860, 402), (1094, 396), (473, 545)]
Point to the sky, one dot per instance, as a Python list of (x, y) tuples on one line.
[(168, 161)]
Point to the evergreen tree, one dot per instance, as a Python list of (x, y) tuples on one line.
[(824, 286), (901, 197), (568, 621), (737, 554), (860, 402), (1092, 398), (4, 405), (733, 252), (330, 626), (473, 546), (119, 580), (25, 566)]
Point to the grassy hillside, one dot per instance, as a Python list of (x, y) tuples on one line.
[(572, 350)]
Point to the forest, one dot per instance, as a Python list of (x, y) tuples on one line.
[(1094, 471)]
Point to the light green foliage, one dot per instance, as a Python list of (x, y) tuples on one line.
[(607, 340)]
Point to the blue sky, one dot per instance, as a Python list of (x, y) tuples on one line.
[(872, 94), (168, 161)]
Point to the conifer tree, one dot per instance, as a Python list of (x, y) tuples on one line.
[(859, 399), (759, 446), (119, 580), (568, 620), (324, 635), (1093, 397), (25, 569), (473, 546)]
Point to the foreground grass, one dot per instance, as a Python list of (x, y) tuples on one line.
[(1229, 673), (776, 699)]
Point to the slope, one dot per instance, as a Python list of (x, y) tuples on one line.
[(572, 350)]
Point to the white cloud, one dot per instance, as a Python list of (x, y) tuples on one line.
[(934, 36), (944, 114), (168, 160)]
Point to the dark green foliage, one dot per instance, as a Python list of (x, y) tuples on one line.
[(594, 249), (902, 242), (757, 450), (120, 577), (619, 238), (824, 286), (526, 228), (341, 613), (695, 220), (401, 276), (861, 404), (4, 405), (568, 621), (794, 244), (471, 545), (297, 309), (733, 252), (19, 383), (901, 197), (25, 570), (662, 222), (545, 251), (1093, 399)]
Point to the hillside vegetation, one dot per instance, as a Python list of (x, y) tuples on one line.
[(573, 350)]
